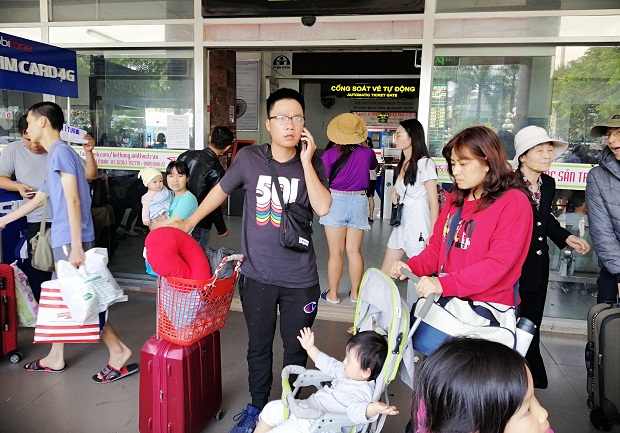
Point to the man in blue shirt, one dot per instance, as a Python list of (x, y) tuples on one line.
[(72, 229)]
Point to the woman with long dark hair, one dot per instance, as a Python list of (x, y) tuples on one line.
[(493, 230), (416, 188)]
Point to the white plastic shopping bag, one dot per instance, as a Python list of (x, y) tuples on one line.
[(89, 289), (27, 306)]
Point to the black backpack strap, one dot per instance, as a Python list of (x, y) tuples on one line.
[(339, 164)]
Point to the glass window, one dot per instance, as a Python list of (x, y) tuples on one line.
[(522, 5), (103, 35), (105, 10), (126, 100), (12, 105), (20, 11), (566, 90)]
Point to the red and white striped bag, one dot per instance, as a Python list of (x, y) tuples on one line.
[(54, 322)]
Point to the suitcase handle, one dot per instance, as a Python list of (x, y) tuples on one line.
[(590, 358)]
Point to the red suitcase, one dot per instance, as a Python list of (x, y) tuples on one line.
[(180, 386), (8, 314)]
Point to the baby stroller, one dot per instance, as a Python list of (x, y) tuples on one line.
[(379, 308)]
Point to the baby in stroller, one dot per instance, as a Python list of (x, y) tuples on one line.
[(352, 387)]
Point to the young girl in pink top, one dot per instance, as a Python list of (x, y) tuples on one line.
[(475, 386)]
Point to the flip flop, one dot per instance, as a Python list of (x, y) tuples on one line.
[(111, 374), (325, 298), (36, 366)]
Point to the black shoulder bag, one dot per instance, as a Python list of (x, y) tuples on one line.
[(296, 221), (339, 164)]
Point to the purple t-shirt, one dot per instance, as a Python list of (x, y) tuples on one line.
[(354, 176), (63, 158), (266, 261)]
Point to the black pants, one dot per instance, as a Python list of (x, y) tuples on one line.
[(298, 308), (532, 307), (35, 276), (607, 287)]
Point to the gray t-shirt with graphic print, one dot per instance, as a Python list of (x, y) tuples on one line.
[(266, 261)]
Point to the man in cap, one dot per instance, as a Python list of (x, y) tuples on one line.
[(603, 200)]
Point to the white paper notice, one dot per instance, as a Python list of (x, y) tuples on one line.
[(71, 134), (177, 134)]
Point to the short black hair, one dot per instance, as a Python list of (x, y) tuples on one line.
[(371, 349), (221, 137), (51, 111), (180, 166), (284, 93), (22, 124), (469, 385)]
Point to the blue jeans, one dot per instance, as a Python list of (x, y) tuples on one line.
[(202, 236)]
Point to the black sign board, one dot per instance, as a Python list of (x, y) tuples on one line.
[(371, 89), (291, 8)]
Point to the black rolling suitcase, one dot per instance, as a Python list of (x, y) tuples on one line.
[(602, 357)]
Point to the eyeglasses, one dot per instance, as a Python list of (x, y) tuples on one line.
[(614, 132), (283, 120)]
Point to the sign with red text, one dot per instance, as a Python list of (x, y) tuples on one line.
[(567, 176), (131, 159)]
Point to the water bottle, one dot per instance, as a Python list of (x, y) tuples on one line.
[(421, 241), (525, 332)]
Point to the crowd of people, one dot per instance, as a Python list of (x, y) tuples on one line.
[(495, 223)]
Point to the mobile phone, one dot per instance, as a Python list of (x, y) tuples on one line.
[(303, 143)]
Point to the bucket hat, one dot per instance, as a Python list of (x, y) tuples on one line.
[(531, 136), (148, 174), (347, 128), (612, 122)]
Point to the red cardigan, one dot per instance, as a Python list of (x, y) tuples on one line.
[(486, 258)]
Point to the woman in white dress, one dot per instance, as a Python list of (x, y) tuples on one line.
[(416, 188)]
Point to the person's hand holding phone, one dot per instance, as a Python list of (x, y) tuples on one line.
[(307, 147), (25, 191)]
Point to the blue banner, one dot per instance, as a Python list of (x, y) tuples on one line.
[(30, 66)]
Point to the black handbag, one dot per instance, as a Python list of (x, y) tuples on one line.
[(397, 213), (296, 221)]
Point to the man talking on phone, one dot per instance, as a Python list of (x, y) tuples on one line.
[(273, 277), (26, 162)]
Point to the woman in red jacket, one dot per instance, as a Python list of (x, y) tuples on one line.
[(494, 230)]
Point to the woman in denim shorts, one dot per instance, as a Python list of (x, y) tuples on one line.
[(347, 165)]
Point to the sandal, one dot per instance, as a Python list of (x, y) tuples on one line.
[(110, 374), (36, 366), (325, 298)]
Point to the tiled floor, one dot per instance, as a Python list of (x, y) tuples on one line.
[(70, 402)]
